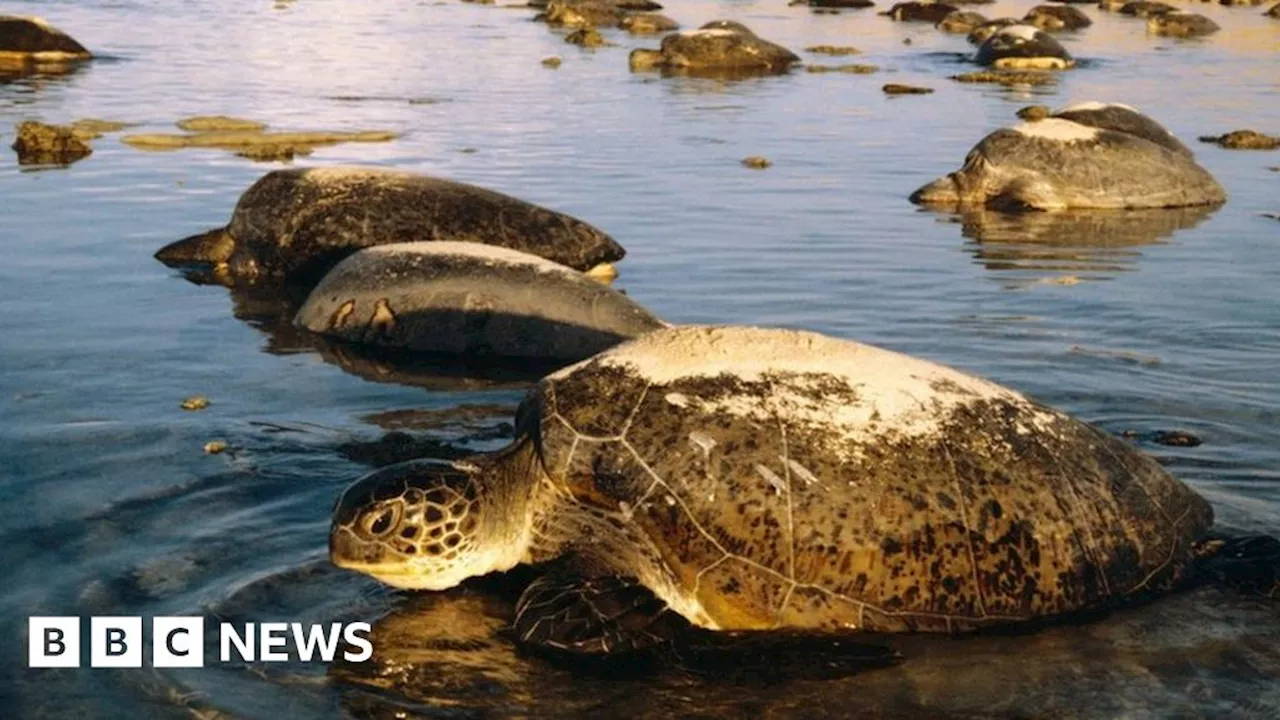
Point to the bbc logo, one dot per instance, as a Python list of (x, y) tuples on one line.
[(178, 642), (115, 642)]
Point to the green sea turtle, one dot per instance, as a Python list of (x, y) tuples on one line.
[(1181, 24), (291, 226), (752, 479), (1023, 47), (720, 46), (1056, 17), (928, 11), (961, 21), (1093, 155), (981, 33), (470, 299), (31, 39)]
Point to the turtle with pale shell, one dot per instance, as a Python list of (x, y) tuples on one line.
[(742, 479), (1090, 155)]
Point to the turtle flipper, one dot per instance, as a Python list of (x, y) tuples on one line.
[(605, 615), (1248, 564)]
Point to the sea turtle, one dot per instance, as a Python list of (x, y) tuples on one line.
[(1056, 17), (1023, 47), (31, 39), (981, 33), (1103, 158), (961, 21), (720, 46), (754, 479), (920, 11), (470, 299), (1181, 24), (292, 226), (1121, 118)]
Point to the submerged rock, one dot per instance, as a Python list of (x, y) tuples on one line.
[(251, 140), (1056, 17), (896, 89), (470, 299), (1274, 12), (41, 144), (1181, 24), (836, 50), (293, 225), (849, 68), (93, 128), (835, 4), (1110, 157), (31, 39), (587, 37), (216, 123), (757, 162), (1243, 140), (1008, 77), (1023, 47), (719, 46)]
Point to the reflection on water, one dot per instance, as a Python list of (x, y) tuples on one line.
[(1089, 244), (112, 507)]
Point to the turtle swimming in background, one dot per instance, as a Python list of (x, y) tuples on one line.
[(754, 479)]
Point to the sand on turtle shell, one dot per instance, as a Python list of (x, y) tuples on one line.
[(895, 392)]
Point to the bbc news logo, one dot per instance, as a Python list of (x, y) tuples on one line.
[(178, 642)]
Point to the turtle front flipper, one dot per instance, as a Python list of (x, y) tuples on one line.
[(603, 615), (1249, 565)]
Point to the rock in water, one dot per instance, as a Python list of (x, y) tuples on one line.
[(470, 299), (293, 225), (40, 144)]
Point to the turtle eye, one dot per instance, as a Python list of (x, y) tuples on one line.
[(380, 522)]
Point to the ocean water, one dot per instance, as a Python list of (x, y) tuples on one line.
[(1165, 321)]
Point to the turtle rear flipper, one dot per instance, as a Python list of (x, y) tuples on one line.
[(605, 615), (1250, 565)]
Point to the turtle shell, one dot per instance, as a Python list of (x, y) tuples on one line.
[(299, 222), (759, 478)]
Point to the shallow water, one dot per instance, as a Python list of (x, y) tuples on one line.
[(111, 507)]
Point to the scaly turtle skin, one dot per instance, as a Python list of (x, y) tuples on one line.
[(292, 226), (470, 299), (1093, 156), (753, 479)]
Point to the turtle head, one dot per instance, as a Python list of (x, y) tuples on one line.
[(425, 525)]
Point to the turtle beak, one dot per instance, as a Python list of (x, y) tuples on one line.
[(943, 191), (213, 248)]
